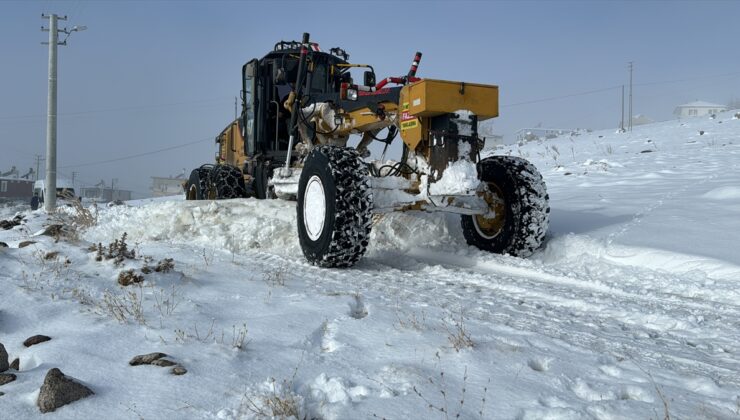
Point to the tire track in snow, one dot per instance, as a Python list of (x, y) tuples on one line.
[(587, 321)]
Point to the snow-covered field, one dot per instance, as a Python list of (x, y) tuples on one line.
[(630, 311)]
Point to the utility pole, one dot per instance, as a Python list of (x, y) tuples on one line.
[(621, 124), (50, 198), (74, 175), (630, 107), (38, 167), (236, 115)]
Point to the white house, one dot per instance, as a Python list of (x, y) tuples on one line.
[(163, 186), (697, 109)]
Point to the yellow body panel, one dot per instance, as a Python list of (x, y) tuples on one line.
[(231, 145), (363, 120), (429, 98)]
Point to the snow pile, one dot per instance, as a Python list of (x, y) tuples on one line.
[(723, 193), (458, 179), (229, 225)]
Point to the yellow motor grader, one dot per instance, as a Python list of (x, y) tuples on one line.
[(300, 107)]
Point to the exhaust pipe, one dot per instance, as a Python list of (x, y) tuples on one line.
[(298, 90)]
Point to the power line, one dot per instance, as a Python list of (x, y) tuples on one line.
[(659, 82), (554, 98), (179, 146), (126, 108), (688, 79)]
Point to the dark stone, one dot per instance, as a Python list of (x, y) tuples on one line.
[(146, 359), (178, 370), (25, 244), (3, 359), (58, 390), (16, 364), (163, 363), (1, 394), (3, 245), (36, 339), (6, 378), (647, 151)]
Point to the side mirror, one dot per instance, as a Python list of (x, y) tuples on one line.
[(369, 79)]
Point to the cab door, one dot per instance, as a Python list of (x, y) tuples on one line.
[(250, 73)]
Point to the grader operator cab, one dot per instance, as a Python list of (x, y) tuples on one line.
[(299, 108)]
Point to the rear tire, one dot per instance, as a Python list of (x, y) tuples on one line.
[(518, 197), (334, 211), (199, 186), (228, 181)]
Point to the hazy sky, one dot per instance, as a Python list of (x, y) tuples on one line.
[(150, 75)]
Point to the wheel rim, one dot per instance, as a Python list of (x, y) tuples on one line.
[(490, 227), (192, 193), (314, 208)]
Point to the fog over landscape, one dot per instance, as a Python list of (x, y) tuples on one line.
[(148, 76)]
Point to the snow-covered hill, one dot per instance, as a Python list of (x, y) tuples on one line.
[(631, 310)]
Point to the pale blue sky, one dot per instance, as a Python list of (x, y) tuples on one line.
[(150, 75)]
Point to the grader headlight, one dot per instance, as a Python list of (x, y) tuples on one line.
[(345, 92)]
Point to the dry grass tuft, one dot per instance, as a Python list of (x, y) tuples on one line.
[(280, 402), (276, 276), (129, 277), (457, 333), (126, 305)]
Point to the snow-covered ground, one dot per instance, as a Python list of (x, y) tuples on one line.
[(631, 310)]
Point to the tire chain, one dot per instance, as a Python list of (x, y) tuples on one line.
[(529, 208), (536, 218), (228, 181), (353, 220), (204, 175)]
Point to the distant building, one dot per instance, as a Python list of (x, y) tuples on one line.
[(494, 140), (14, 188), (162, 186), (104, 194), (698, 109)]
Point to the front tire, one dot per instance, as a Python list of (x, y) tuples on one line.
[(519, 204), (334, 211)]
